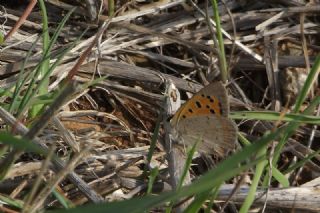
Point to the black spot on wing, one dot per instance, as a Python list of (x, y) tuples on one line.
[(210, 98), (198, 104)]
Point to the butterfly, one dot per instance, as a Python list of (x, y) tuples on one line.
[(204, 117)]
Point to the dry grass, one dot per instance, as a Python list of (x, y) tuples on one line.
[(118, 69)]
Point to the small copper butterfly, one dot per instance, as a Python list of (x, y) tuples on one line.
[(205, 117)]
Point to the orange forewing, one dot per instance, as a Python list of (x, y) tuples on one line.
[(200, 104)]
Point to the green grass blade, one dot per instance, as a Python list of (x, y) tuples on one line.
[(154, 140), (187, 164), (301, 97), (110, 8), (31, 91), (281, 178), (308, 84), (184, 173), (255, 182), (213, 196), (21, 144), (275, 116), (199, 199), (291, 128), (222, 172), (301, 163), (47, 46), (46, 63), (11, 202), (222, 55), (22, 79), (1, 38), (67, 204), (243, 140), (27, 99), (152, 177)]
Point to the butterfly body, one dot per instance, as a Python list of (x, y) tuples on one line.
[(205, 117)]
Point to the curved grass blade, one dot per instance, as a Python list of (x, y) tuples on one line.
[(213, 178)]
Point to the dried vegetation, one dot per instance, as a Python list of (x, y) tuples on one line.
[(102, 133)]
